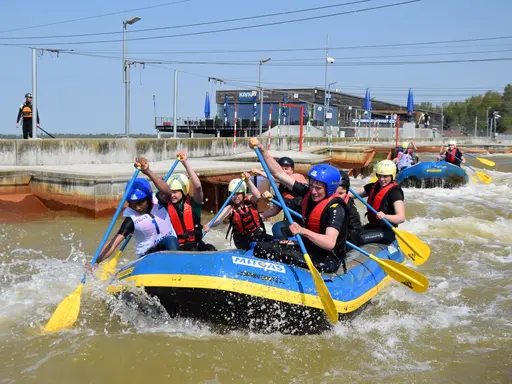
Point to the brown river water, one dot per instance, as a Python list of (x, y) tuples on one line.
[(459, 331)]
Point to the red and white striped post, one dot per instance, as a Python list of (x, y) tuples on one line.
[(269, 127), (234, 132)]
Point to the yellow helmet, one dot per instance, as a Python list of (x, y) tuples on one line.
[(233, 183), (405, 145), (179, 182), (386, 168)]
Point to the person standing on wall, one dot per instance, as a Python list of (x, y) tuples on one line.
[(26, 113)]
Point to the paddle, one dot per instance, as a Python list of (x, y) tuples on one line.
[(483, 161), (67, 311), (411, 245), (225, 203), (484, 177), (323, 292), (108, 268), (404, 275)]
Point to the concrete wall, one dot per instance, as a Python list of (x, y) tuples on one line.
[(106, 151)]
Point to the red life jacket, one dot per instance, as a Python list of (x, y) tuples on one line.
[(314, 218), (450, 156), (187, 234), (245, 219), (376, 200), (346, 198)]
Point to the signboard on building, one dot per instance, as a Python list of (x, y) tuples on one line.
[(378, 121), (246, 96)]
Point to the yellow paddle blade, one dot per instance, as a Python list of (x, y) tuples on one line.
[(484, 177), (486, 162), (412, 246), (404, 275), (473, 179), (323, 292), (373, 179), (66, 313), (108, 268)]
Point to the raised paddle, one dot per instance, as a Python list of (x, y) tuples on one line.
[(67, 311), (109, 267), (410, 244), (484, 177), (404, 275), (323, 292), (482, 160), (226, 202)]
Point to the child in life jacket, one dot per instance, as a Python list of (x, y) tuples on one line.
[(244, 218)]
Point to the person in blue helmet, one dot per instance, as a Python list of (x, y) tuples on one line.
[(326, 218), (146, 217)]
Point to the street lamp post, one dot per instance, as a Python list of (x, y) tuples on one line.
[(126, 77), (328, 60), (263, 61), (327, 104)]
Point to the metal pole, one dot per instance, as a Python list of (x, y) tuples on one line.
[(34, 93), (126, 86), (175, 107), (487, 122), (325, 87), (127, 100), (442, 120), (476, 123), (261, 99)]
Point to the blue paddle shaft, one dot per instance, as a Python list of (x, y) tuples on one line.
[(225, 203), (369, 207), (116, 215), (279, 197), (125, 243), (166, 178), (469, 166)]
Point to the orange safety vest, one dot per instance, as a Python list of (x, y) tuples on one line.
[(376, 201), (314, 218), (26, 111), (245, 219), (450, 156), (187, 235)]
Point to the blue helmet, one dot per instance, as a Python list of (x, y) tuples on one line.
[(140, 190), (326, 174)]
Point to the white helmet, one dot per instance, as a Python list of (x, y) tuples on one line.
[(386, 168), (233, 184), (179, 182), (452, 142)]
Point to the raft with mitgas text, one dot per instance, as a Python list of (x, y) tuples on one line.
[(234, 289), (431, 175)]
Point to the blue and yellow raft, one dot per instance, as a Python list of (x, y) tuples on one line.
[(234, 289), (432, 174)]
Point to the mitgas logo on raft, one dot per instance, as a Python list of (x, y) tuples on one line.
[(265, 265)]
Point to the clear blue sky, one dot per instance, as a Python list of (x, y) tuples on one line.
[(80, 94)]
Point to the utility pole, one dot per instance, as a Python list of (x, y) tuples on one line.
[(476, 123), (263, 61), (175, 106), (126, 77), (325, 82), (34, 93)]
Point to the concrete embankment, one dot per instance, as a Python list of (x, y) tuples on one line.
[(89, 176)]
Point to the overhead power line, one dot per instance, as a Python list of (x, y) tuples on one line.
[(133, 31), (246, 27), (94, 17)]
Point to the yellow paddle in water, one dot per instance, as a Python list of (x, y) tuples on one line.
[(321, 288), (484, 177), (410, 244), (68, 310), (483, 161), (404, 275)]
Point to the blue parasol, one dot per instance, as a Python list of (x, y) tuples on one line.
[(410, 101), (367, 101), (207, 106)]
